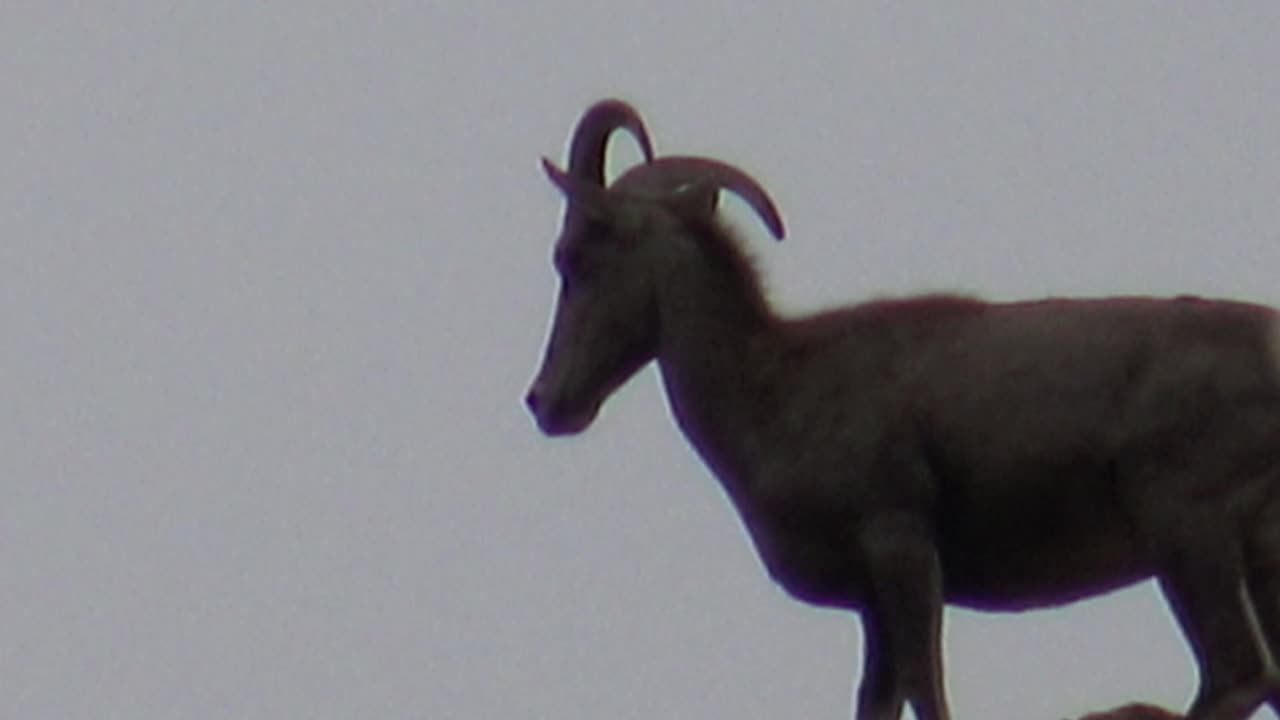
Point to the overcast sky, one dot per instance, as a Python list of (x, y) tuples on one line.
[(274, 277)]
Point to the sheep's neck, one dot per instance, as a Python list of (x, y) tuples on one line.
[(712, 353)]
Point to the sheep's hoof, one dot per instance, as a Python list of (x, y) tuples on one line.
[(1134, 711)]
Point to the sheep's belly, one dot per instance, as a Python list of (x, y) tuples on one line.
[(1040, 553)]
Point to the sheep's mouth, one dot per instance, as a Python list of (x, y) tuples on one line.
[(558, 422)]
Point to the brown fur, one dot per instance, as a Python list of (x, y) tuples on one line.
[(894, 456)]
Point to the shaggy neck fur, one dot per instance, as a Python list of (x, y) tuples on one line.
[(716, 348)]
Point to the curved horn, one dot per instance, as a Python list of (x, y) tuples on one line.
[(591, 136), (676, 174)]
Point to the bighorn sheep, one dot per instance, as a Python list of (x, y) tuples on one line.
[(897, 455)]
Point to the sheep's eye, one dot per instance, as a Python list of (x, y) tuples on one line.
[(572, 267)]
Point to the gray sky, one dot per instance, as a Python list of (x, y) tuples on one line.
[(273, 280)]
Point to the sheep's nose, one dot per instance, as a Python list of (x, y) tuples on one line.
[(533, 399)]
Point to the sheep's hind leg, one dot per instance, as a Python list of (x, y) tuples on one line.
[(1203, 580), (1262, 595)]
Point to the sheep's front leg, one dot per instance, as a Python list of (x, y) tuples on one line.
[(879, 697), (903, 621)]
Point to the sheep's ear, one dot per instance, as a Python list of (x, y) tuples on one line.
[(586, 197)]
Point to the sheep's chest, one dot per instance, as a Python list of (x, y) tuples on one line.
[(811, 558)]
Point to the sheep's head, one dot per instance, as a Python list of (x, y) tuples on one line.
[(605, 326)]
